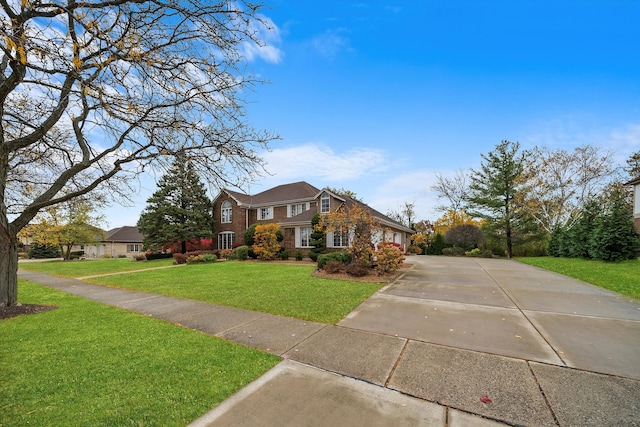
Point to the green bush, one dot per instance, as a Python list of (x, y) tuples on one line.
[(284, 255), (153, 256), (209, 258), (298, 256), (343, 257), (455, 251), (437, 245), (242, 252), (43, 251)]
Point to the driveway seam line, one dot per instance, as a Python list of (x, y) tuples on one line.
[(523, 313), (544, 396), (397, 362)]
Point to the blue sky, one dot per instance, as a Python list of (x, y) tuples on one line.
[(378, 96)]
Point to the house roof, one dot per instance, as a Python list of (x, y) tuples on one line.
[(282, 194), (124, 234), (385, 220), (633, 181)]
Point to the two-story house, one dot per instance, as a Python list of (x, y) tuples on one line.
[(292, 206), (635, 184)]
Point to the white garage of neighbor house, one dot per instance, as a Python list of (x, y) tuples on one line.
[(123, 241)]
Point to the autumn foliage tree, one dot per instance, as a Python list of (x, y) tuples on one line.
[(266, 245), (92, 94), (357, 226)]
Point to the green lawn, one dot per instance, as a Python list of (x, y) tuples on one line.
[(270, 287), (89, 364), (91, 267), (621, 277)]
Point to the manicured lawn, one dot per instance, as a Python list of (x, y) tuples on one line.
[(91, 267), (284, 289), (89, 364), (621, 277)]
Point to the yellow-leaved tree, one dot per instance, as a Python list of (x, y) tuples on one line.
[(266, 244)]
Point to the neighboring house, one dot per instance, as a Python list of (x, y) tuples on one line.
[(636, 200), (292, 206), (123, 241)]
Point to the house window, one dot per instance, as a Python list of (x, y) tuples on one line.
[(227, 212), (339, 239), (134, 247), (325, 203), (297, 209), (305, 237), (265, 213), (226, 239)]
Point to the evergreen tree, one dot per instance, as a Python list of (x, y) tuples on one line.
[(494, 188), (614, 236), (179, 211), (318, 239)]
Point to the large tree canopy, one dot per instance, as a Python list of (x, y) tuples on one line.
[(179, 211), (494, 188), (92, 92)]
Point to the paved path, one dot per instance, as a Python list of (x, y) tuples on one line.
[(539, 348)]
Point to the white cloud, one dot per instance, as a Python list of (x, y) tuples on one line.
[(317, 161), (411, 187), (268, 50), (330, 43)]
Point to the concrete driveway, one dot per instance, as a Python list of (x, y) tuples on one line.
[(507, 308)]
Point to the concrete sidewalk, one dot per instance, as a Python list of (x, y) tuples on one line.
[(454, 342)]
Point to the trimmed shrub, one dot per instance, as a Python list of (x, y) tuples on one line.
[(179, 258), (209, 258), (159, 255), (298, 256), (343, 257), (224, 253), (139, 257), (357, 269), (284, 255), (390, 258), (334, 267), (455, 251), (242, 252)]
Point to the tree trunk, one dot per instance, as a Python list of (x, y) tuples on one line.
[(8, 267)]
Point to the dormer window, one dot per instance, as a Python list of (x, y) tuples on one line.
[(325, 203), (226, 215)]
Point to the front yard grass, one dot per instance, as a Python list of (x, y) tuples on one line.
[(285, 289), (621, 277), (89, 364), (92, 267)]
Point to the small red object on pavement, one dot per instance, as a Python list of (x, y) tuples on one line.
[(485, 399)]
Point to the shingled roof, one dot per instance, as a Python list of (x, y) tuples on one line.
[(126, 234), (282, 194)]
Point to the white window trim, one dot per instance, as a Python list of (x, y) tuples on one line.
[(226, 206), (304, 206), (323, 197), (299, 237), (225, 237), (269, 215)]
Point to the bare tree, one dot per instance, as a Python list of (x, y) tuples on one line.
[(558, 183), (453, 190), (94, 93), (406, 217)]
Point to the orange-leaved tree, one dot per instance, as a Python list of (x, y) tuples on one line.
[(266, 244), (357, 226)]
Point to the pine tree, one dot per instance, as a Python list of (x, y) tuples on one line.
[(493, 190), (318, 239), (179, 211)]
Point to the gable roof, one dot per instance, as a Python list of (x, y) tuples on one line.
[(385, 220), (282, 194), (124, 234)]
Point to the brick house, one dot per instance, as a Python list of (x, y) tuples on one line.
[(635, 183), (292, 206)]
